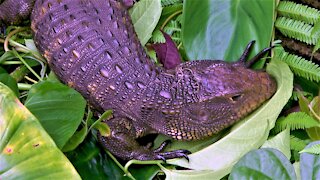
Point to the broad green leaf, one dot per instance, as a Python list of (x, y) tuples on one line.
[(145, 15), (189, 174), (310, 164), (59, 109), (264, 163), (77, 138), (144, 172), (248, 134), (221, 29), (26, 150), (6, 79), (281, 142), (92, 162)]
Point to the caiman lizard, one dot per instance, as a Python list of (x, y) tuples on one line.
[(91, 46)]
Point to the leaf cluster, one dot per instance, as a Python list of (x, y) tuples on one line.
[(28, 68)]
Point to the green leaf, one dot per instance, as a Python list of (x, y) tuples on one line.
[(248, 134), (263, 164), (299, 66), (215, 29), (189, 174), (170, 2), (26, 150), (296, 120), (145, 15), (296, 143), (296, 29), (314, 132), (59, 108), (6, 79), (310, 164), (103, 128), (93, 163), (8, 55), (281, 142), (76, 139), (315, 149), (298, 11), (296, 167)]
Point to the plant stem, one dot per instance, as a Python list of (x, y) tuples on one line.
[(24, 86), (26, 64), (6, 41), (120, 166), (169, 18)]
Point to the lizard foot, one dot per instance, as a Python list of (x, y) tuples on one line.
[(164, 156), (158, 155)]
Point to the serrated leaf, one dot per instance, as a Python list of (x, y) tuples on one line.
[(296, 120), (296, 29), (145, 15), (266, 163), (59, 109), (298, 11), (298, 65), (26, 150)]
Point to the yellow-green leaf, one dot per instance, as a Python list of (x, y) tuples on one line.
[(26, 150)]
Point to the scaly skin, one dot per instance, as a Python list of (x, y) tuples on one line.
[(92, 47)]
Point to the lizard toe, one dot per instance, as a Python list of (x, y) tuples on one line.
[(181, 153)]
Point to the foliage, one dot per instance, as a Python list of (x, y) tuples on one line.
[(26, 150), (265, 163), (294, 121), (299, 22), (296, 29), (298, 11), (207, 30), (300, 66)]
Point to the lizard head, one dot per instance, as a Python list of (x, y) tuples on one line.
[(220, 94)]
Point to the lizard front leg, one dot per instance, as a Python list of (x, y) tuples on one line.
[(122, 143)]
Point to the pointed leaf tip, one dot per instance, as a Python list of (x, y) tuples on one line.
[(167, 53)]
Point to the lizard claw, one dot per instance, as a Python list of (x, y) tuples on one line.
[(2, 28), (181, 153)]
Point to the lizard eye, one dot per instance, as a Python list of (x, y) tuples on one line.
[(236, 97)]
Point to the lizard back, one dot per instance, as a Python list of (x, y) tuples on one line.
[(92, 47)]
